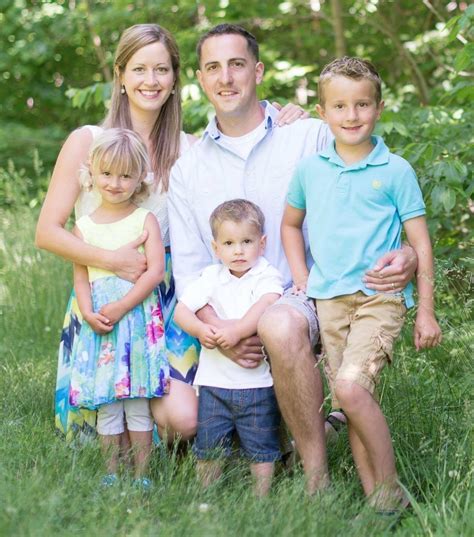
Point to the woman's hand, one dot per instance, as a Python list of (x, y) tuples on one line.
[(128, 263)]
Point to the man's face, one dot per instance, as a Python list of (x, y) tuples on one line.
[(229, 75)]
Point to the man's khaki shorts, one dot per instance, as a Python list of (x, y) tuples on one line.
[(358, 333)]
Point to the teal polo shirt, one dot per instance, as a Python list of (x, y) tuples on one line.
[(354, 215)]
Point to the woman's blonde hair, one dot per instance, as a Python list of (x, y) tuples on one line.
[(165, 134), (119, 152)]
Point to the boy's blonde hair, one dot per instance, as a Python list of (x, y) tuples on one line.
[(237, 210), (354, 68), (120, 152)]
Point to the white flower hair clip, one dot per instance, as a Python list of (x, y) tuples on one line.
[(149, 179)]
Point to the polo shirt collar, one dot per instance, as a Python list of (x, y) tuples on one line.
[(378, 156), (225, 275), (270, 116)]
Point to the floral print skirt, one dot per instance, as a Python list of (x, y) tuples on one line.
[(129, 362)]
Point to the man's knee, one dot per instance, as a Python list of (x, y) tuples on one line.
[(283, 325)]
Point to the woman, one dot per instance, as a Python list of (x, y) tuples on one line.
[(145, 98)]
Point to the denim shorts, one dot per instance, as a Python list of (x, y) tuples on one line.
[(252, 413)]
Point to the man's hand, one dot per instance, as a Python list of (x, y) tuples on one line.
[(206, 336), (113, 311), (129, 264), (247, 353), (393, 271), (98, 323)]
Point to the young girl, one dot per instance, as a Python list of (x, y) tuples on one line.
[(118, 360)]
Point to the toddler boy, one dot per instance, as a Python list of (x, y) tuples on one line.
[(233, 398), (356, 195)]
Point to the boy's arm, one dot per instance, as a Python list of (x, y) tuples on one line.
[(427, 332), (229, 335), (293, 244), (155, 257), (188, 321), (82, 288)]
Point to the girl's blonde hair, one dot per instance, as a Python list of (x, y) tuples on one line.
[(120, 152), (165, 134)]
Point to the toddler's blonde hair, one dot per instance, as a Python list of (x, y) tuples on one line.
[(237, 210)]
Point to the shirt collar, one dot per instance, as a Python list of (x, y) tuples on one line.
[(378, 156), (270, 115), (259, 267)]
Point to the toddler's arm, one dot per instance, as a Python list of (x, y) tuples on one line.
[(293, 244), (155, 256), (229, 335), (427, 332), (189, 322), (82, 288)]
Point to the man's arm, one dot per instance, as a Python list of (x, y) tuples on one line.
[(188, 249)]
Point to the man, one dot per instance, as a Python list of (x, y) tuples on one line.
[(243, 154)]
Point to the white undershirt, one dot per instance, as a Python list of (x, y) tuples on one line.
[(242, 145)]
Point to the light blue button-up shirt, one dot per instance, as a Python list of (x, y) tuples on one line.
[(354, 214), (209, 174)]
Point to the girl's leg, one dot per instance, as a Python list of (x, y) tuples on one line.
[(262, 473), (140, 428), (176, 413), (110, 428)]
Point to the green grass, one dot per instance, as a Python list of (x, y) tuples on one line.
[(49, 488)]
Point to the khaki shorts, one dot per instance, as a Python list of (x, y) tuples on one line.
[(358, 333)]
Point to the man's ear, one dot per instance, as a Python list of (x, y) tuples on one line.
[(199, 76), (259, 70), (320, 111)]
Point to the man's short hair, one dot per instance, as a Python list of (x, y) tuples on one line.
[(228, 29), (237, 210), (354, 68)]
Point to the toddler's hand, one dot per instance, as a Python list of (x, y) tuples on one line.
[(206, 336), (113, 311), (99, 323), (427, 332), (227, 336)]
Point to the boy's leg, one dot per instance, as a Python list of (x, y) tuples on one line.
[(262, 473), (110, 426), (140, 427), (376, 322), (214, 433), (257, 421)]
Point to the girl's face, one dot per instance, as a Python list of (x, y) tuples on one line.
[(148, 79), (114, 188)]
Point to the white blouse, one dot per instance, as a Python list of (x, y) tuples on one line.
[(87, 202)]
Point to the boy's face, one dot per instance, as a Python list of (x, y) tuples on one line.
[(238, 245), (350, 109)]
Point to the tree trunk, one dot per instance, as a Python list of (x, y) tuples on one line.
[(338, 25)]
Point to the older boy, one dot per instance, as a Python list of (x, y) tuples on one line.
[(233, 398), (356, 195)]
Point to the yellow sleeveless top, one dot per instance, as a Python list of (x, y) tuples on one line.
[(111, 236)]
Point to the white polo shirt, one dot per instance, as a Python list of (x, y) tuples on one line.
[(231, 298)]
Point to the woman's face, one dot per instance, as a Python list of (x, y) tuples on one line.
[(148, 79)]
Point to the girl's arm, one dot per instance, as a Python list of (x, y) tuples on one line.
[(82, 288), (188, 321), (427, 332), (58, 205), (229, 335), (155, 256), (293, 244)]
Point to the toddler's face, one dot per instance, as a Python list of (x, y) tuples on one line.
[(350, 109), (238, 245)]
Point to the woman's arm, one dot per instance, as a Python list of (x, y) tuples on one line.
[(293, 244), (58, 206), (154, 274)]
